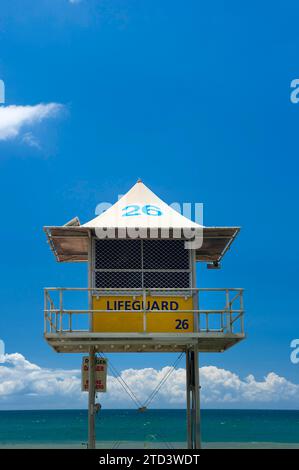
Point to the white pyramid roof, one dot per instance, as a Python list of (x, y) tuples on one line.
[(70, 242), (134, 209)]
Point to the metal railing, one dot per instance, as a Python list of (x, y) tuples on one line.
[(59, 318)]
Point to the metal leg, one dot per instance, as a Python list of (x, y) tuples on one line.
[(192, 383), (91, 400), (188, 400), (192, 399), (196, 400)]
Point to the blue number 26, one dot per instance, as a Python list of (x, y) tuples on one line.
[(134, 210)]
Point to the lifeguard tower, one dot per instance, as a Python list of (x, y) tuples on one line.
[(142, 294)]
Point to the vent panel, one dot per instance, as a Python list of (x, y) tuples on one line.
[(118, 254), (113, 280), (165, 254), (167, 279), (141, 263)]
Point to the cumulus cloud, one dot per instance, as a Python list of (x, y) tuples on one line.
[(26, 385), (22, 382), (13, 119), (223, 386)]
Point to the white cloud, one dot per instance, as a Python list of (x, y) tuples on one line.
[(13, 119), (26, 385), (30, 139), (24, 382), (75, 1), (223, 386)]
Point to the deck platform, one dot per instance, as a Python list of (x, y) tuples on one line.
[(213, 329), (77, 342)]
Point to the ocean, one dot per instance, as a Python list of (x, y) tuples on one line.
[(153, 428)]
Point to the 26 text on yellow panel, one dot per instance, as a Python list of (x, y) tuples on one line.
[(125, 314)]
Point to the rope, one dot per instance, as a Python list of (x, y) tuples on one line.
[(123, 383), (167, 444), (130, 392), (151, 397), (162, 381)]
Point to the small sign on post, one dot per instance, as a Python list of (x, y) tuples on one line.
[(100, 374)]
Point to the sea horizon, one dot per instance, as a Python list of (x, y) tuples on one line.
[(155, 428), (151, 409)]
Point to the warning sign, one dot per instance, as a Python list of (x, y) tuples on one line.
[(158, 314), (100, 374)]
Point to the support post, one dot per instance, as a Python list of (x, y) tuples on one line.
[(188, 400), (90, 267), (192, 374), (91, 374), (192, 399), (91, 400), (197, 438), (195, 294)]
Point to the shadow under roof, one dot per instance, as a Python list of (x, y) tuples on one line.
[(70, 244)]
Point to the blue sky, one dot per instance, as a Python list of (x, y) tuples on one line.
[(195, 100)]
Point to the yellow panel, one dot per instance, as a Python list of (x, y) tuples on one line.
[(159, 320)]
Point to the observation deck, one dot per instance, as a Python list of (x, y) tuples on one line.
[(139, 320)]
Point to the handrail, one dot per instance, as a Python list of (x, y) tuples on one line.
[(226, 317), (141, 289)]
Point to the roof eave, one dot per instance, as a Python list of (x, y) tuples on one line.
[(69, 244)]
